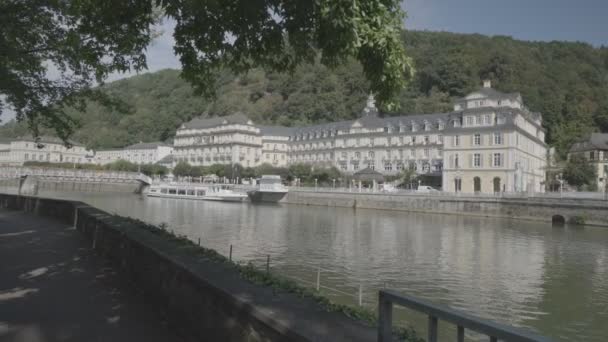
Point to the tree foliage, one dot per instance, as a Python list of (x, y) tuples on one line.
[(566, 82), (581, 173), (52, 52)]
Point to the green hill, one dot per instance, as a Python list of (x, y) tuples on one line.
[(567, 82)]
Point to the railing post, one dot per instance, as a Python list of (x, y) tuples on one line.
[(460, 336), (433, 324), (385, 319)]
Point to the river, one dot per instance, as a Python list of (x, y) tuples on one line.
[(551, 280)]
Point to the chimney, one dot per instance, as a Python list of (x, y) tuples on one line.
[(487, 84)]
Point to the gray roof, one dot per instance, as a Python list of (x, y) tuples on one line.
[(492, 93), (377, 122), (277, 130), (46, 140), (236, 118), (596, 141), (145, 146)]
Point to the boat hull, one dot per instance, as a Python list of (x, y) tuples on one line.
[(202, 198), (266, 196)]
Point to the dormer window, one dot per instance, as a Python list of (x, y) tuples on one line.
[(427, 126), (414, 127)]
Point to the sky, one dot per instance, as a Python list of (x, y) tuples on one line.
[(543, 20)]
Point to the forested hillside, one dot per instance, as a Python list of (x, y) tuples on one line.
[(567, 82)]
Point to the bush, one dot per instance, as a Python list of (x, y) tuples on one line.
[(577, 220)]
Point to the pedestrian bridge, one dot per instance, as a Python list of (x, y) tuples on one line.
[(57, 174)]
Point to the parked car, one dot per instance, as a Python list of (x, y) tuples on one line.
[(426, 188)]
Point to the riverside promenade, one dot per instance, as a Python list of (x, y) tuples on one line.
[(53, 287)]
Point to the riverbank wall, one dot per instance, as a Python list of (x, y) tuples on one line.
[(201, 299), (592, 212)]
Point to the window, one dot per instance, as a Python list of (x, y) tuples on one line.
[(478, 120), (413, 140), (371, 154), (388, 167), (26, 156), (401, 140), (426, 139), (457, 185), (426, 152), (440, 139), (456, 161), (343, 155), (477, 139), (497, 159), (469, 121), (477, 160), (413, 153), (357, 155), (497, 139), (486, 119), (456, 140)]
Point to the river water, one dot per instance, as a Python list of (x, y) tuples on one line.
[(551, 280)]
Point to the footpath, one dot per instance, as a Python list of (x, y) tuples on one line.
[(54, 288)]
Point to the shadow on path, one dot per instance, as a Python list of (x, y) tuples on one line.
[(54, 288)]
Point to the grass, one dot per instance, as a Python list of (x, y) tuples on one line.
[(250, 273)]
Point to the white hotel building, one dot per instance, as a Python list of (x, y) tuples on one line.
[(141, 153), (490, 143), (16, 152)]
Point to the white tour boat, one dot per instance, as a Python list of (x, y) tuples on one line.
[(207, 192), (270, 189)]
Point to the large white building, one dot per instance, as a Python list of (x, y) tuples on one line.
[(16, 152), (490, 143), (141, 153), (493, 143)]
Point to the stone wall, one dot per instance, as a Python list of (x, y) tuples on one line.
[(202, 300), (594, 212)]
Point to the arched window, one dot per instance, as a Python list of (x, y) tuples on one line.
[(496, 184), (477, 184)]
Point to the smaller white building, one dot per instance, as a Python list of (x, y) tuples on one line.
[(141, 153), (18, 151)]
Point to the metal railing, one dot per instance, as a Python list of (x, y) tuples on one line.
[(73, 174), (462, 320)]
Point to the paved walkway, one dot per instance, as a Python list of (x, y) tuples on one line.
[(53, 288)]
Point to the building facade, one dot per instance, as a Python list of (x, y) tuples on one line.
[(493, 143), (490, 143), (46, 149), (141, 153), (595, 149), (232, 139)]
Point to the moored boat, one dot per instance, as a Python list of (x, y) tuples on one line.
[(270, 189), (210, 192)]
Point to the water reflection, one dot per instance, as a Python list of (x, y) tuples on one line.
[(552, 280)]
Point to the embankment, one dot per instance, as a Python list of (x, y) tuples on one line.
[(202, 299), (593, 212)]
